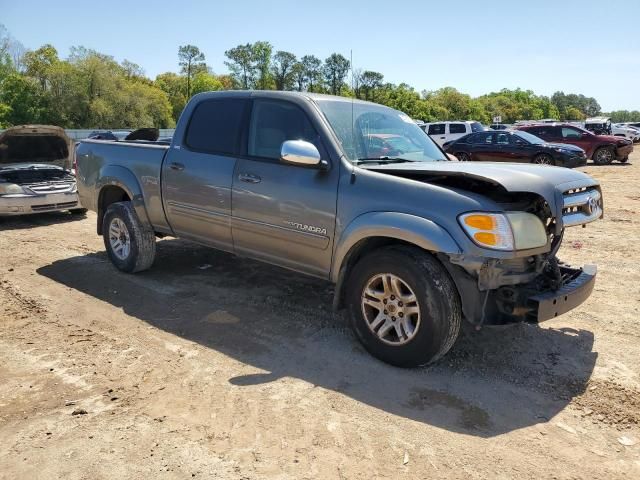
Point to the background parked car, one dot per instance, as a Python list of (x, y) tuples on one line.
[(628, 131), (514, 146), (35, 171), (499, 126), (602, 149), (442, 132)]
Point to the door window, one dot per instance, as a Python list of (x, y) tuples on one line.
[(274, 122), (215, 126), (571, 133), (436, 129), (502, 138), (483, 138), (457, 128)]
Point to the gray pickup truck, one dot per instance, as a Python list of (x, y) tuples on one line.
[(357, 194)]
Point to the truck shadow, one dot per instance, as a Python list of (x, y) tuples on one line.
[(493, 381)]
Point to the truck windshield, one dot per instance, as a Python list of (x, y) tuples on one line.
[(369, 132)]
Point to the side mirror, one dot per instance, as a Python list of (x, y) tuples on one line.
[(302, 153)]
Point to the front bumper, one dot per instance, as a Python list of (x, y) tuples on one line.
[(571, 161), (550, 304), (29, 204), (624, 151)]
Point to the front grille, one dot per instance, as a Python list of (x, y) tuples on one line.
[(581, 206), (52, 206), (54, 186)]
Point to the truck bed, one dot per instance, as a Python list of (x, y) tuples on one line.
[(102, 159)]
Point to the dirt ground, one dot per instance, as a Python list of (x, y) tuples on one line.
[(211, 366)]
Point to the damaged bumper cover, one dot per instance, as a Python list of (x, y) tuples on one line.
[(576, 290), (501, 293), (27, 204)]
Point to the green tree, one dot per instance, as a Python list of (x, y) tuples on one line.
[(21, 100), (283, 70), (190, 59), (241, 65), (261, 55), (336, 68), (39, 62), (174, 86), (206, 82), (370, 82), (312, 67)]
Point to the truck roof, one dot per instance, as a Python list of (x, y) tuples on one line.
[(280, 94)]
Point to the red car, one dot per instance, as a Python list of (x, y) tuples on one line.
[(602, 149)]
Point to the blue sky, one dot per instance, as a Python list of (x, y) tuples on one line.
[(578, 46)]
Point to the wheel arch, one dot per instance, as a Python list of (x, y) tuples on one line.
[(119, 184), (374, 230)]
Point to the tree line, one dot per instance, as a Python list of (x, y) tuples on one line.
[(90, 89)]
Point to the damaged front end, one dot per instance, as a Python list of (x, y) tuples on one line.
[(35, 173), (530, 288)]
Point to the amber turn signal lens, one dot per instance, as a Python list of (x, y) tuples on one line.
[(480, 222), (486, 238)]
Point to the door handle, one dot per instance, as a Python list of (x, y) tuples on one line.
[(176, 166), (249, 178)]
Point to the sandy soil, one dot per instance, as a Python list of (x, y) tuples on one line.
[(211, 366)]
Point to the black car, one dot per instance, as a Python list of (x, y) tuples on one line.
[(514, 146)]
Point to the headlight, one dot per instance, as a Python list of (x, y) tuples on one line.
[(562, 150), (11, 189), (504, 231)]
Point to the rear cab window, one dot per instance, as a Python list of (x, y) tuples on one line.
[(215, 126)]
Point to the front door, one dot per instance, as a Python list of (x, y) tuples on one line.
[(283, 214), (198, 172)]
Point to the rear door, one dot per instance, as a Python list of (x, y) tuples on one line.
[(437, 132), (456, 131), (483, 149), (283, 214), (197, 173)]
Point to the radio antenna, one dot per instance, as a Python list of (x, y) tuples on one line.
[(353, 133)]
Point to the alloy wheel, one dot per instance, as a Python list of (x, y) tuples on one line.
[(119, 239), (390, 309)]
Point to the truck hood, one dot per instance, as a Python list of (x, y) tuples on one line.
[(35, 144), (547, 181)]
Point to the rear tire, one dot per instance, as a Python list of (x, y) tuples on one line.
[(603, 156), (412, 333), (131, 246), (624, 160)]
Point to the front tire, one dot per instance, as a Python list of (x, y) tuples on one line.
[(78, 211), (403, 306), (463, 157), (543, 159), (603, 156), (131, 246)]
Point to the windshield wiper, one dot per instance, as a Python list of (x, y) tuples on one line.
[(383, 159)]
